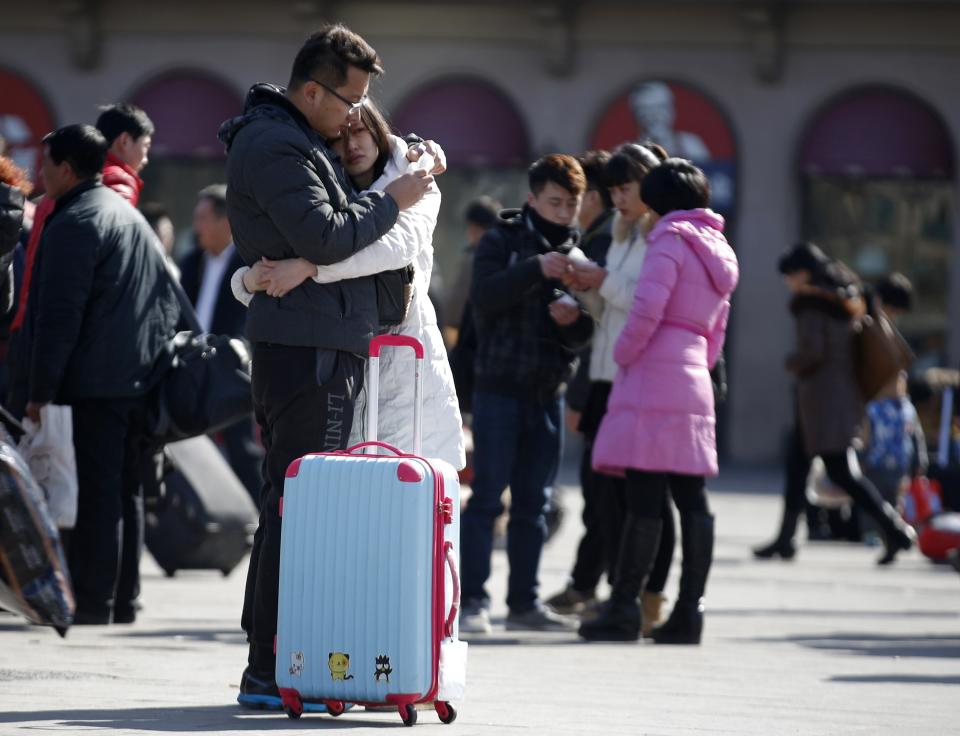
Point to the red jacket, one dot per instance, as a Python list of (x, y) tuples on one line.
[(122, 179)]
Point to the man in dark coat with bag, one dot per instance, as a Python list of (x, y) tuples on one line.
[(101, 311)]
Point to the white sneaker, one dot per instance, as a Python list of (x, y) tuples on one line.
[(475, 620)]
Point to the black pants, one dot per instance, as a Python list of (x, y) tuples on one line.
[(107, 542), (244, 455), (864, 494), (303, 400), (604, 509), (648, 493), (602, 521)]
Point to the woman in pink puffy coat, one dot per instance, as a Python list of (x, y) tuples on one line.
[(659, 430)]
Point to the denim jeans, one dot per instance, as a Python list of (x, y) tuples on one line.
[(516, 443)]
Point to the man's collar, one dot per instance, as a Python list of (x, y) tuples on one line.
[(66, 198)]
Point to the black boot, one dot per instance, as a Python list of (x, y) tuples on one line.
[(783, 545), (897, 535), (685, 625), (619, 619)]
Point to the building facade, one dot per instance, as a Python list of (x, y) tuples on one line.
[(836, 121)]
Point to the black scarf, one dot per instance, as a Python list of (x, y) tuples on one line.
[(554, 234)]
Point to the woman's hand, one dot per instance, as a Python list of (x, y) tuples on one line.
[(253, 278), (433, 148), (587, 275), (282, 277)]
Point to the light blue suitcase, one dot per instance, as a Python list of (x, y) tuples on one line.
[(369, 589)]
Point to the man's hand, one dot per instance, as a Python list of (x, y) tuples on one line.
[(588, 275), (33, 411), (565, 310), (554, 265), (572, 419), (408, 189), (433, 148)]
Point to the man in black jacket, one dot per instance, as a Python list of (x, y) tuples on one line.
[(288, 196), (205, 276), (528, 330), (101, 311)]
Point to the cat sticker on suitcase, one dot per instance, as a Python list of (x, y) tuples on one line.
[(369, 589)]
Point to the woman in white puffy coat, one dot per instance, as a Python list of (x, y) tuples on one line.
[(370, 153)]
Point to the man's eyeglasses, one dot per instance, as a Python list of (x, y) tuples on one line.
[(353, 108)]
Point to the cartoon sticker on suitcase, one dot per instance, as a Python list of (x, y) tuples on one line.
[(383, 669), (296, 663), (339, 663)]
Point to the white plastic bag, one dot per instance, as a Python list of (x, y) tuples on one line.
[(48, 451), (452, 678)]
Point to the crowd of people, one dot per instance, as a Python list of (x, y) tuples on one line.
[(321, 238)]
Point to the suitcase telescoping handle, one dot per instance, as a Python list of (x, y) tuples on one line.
[(373, 385), (455, 598)]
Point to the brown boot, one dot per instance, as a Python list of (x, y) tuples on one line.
[(651, 605)]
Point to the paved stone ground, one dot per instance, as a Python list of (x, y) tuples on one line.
[(828, 644)]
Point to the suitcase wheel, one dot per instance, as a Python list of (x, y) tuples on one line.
[(169, 571), (408, 713), (446, 712), (292, 705), (334, 707)]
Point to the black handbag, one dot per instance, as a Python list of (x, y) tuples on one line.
[(203, 381), (394, 293), (206, 387)]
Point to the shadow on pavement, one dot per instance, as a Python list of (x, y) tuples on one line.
[(900, 679), (193, 719), (829, 613), (212, 635), (945, 646)]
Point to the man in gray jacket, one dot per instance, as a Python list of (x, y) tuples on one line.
[(287, 197)]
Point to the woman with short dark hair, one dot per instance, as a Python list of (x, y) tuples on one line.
[(659, 429)]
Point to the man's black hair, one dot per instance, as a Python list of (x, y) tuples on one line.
[(123, 118), (483, 211), (81, 146), (153, 212), (594, 165), (327, 54), (217, 195)]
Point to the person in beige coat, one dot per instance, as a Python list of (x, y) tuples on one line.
[(827, 304)]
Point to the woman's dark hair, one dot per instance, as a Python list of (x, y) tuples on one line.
[(123, 118), (374, 121), (824, 271), (327, 54), (676, 184), (896, 291), (81, 146), (632, 162)]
